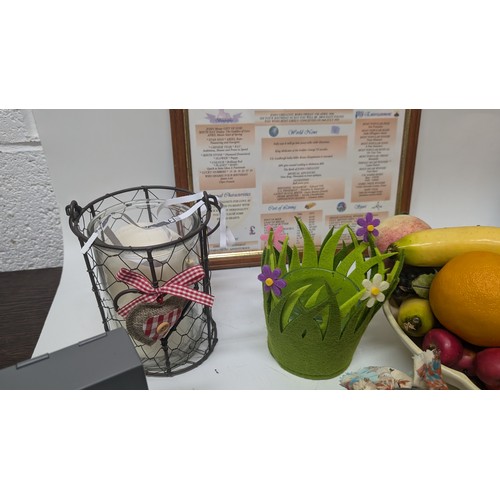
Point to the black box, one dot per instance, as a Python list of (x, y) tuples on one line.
[(106, 361)]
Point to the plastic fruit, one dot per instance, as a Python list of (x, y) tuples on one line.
[(488, 367), (395, 227), (436, 247), (465, 297), (467, 363), (450, 346), (415, 317)]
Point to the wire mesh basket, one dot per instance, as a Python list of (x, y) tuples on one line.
[(146, 252)]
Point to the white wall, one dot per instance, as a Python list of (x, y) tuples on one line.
[(457, 170), (92, 152), (30, 225)]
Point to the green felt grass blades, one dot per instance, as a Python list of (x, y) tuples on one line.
[(318, 303)]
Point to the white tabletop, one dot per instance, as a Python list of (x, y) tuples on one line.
[(240, 360)]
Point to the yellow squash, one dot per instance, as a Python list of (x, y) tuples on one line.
[(435, 247)]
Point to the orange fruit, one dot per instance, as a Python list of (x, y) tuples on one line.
[(465, 297)]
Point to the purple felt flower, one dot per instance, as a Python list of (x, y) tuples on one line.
[(368, 225), (272, 280)]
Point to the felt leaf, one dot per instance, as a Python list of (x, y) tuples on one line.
[(274, 299), (366, 317), (301, 323), (314, 298), (309, 254), (373, 248), (295, 260), (333, 328), (313, 290), (360, 271), (323, 319), (396, 270), (346, 307), (350, 326), (306, 326), (290, 303), (393, 277), (340, 255), (264, 257), (307, 275), (356, 255), (354, 238), (283, 255), (325, 314), (328, 249), (342, 287), (326, 238), (272, 258), (319, 312), (274, 316), (376, 265), (268, 248), (270, 302), (374, 251), (359, 256)]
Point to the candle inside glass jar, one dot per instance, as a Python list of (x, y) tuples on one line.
[(123, 236), (166, 262)]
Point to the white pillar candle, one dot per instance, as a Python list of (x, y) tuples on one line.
[(167, 261)]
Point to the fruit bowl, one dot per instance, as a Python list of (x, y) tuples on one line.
[(453, 378)]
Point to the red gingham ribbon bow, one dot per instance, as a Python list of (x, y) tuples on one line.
[(178, 286)]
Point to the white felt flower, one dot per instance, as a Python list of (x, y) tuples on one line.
[(374, 289)]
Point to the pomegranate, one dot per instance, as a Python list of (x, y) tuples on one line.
[(395, 227)]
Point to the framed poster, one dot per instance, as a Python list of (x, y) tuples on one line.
[(268, 166)]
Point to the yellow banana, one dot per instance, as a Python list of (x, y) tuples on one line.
[(435, 247)]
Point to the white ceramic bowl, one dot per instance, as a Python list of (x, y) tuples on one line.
[(453, 378)]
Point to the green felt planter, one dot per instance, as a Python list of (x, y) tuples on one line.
[(316, 302), (308, 333), (309, 363)]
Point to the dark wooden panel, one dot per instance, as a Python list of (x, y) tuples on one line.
[(25, 300)]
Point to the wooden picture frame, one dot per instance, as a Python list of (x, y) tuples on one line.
[(181, 148)]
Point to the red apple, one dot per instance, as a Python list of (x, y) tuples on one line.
[(488, 367), (492, 387), (450, 346), (393, 228), (467, 363)]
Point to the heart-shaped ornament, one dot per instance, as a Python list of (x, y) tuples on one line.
[(149, 323)]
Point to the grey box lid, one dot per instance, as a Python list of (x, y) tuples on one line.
[(106, 361)]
